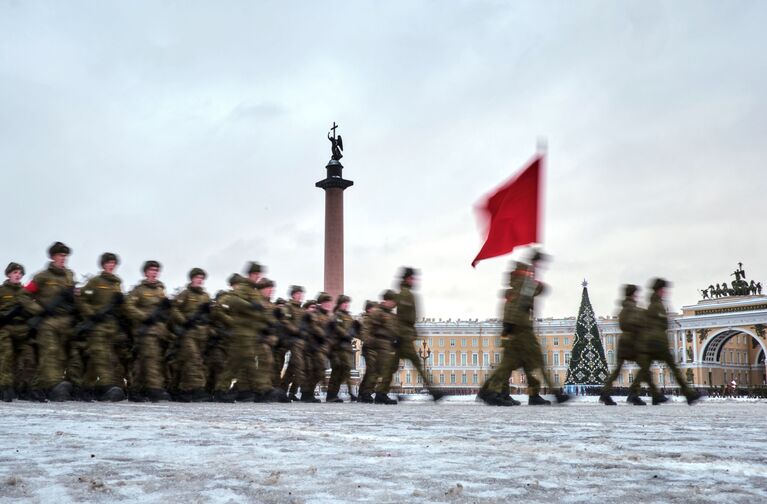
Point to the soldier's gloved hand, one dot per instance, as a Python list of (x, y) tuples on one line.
[(279, 314), (68, 296), (165, 303), (307, 318), (357, 326), (118, 298), (205, 308), (98, 317), (508, 328), (256, 306)]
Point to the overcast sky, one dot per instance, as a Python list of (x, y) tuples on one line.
[(193, 133)]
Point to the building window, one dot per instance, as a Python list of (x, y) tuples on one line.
[(545, 359), (610, 357), (556, 341), (418, 379), (497, 357), (452, 342), (497, 341), (567, 358), (567, 341), (474, 379), (441, 378), (396, 378), (486, 358), (441, 359), (463, 359), (452, 359), (487, 341), (452, 378), (631, 377), (474, 342), (441, 342), (475, 359), (464, 379), (463, 341), (556, 378), (556, 358), (407, 377)]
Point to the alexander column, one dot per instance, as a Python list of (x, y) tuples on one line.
[(334, 185)]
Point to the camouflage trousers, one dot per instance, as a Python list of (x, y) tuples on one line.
[(149, 365), (17, 358), (240, 363), (52, 337), (191, 369), (520, 350), (316, 363), (215, 364), (103, 367), (296, 371), (662, 354), (626, 352), (341, 357), (404, 350), (378, 353), (278, 355)]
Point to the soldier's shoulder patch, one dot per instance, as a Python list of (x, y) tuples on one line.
[(88, 292)]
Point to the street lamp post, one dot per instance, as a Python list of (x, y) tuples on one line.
[(424, 352)]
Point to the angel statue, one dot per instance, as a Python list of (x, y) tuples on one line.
[(337, 143)]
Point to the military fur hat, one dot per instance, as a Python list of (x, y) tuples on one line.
[(309, 304), (389, 295), (370, 305), (264, 283), (343, 299), (150, 264), (197, 272), (12, 266), (630, 289), (254, 267), (324, 297), (108, 256), (660, 283), (58, 248), (280, 301), (234, 279), (294, 289), (408, 272)]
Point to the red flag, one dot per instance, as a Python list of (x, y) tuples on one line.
[(511, 213)]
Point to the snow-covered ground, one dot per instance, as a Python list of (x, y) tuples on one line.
[(455, 451)]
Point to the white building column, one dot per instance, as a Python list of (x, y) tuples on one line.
[(676, 347), (694, 346)]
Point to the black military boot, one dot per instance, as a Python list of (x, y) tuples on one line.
[(562, 397), (293, 397), (384, 399), (508, 400), (353, 398), (61, 392), (367, 398), (277, 395), (659, 399), (247, 396), (137, 396), (607, 400), (489, 397), (82, 394), (184, 396), (537, 400), (436, 394), (693, 397), (7, 394), (157, 395), (309, 398), (333, 398), (111, 393), (635, 400), (37, 395), (200, 395), (223, 396)]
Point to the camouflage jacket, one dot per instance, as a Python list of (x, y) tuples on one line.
[(13, 295), (406, 306), (48, 285)]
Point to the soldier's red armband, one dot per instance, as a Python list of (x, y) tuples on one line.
[(32, 287)]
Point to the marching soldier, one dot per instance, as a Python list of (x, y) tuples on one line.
[(656, 347), (148, 307), (367, 385), (294, 315), (191, 315), (632, 324), (100, 303), (318, 325), (53, 289), (384, 332), (406, 318), (265, 343), (340, 349), (17, 355), (521, 348)]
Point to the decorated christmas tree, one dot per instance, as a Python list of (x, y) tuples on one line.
[(588, 365)]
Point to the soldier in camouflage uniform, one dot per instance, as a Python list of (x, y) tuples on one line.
[(100, 303), (53, 289), (149, 308), (632, 324), (520, 346), (317, 344), (340, 349), (656, 345), (367, 385), (405, 345), (215, 351), (266, 341), (294, 316), (190, 315), (384, 332), (17, 356)]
